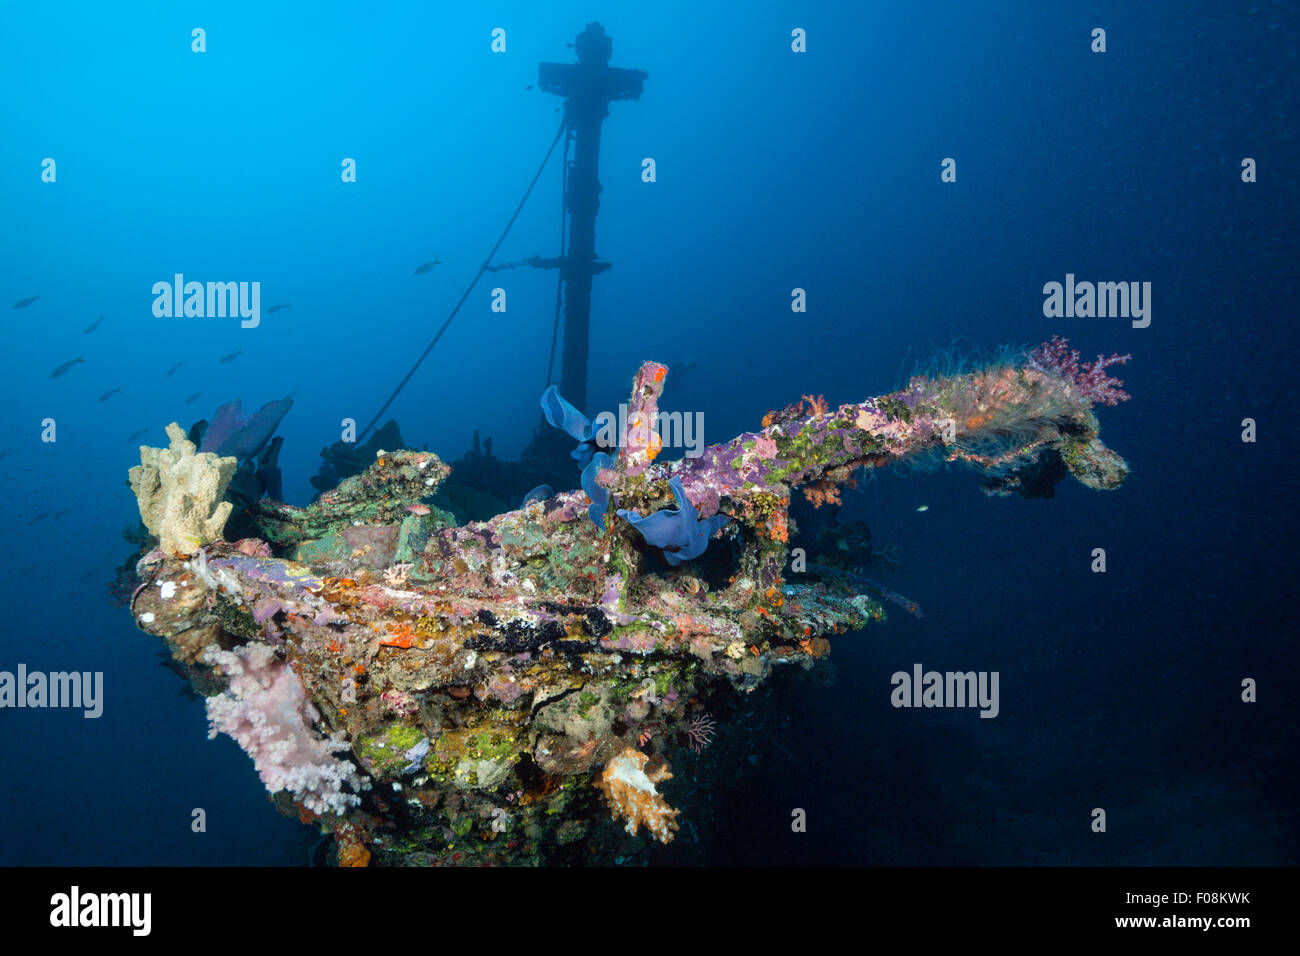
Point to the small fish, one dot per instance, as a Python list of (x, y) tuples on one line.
[(109, 394), (93, 325), (172, 371), (135, 435), (24, 303), (419, 510), (425, 267), (231, 357), (276, 308), (922, 507), (63, 369), (192, 398)]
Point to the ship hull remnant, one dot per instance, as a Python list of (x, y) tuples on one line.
[(489, 679)]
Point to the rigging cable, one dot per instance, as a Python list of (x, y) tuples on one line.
[(478, 275)]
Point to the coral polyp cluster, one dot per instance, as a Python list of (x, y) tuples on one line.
[(438, 693)]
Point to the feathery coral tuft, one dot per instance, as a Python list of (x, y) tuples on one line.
[(699, 734)]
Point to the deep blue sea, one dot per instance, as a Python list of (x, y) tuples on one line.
[(127, 157)]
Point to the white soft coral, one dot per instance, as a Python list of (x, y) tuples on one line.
[(630, 791), (398, 574)]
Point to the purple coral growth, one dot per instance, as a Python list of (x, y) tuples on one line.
[(241, 434), (416, 756), (265, 608), (1090, 378)]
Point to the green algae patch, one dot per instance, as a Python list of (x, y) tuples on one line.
[(474, 757), (895, 409), (384, 752), (323, 551)]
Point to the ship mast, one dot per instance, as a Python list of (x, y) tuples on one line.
[(588, 87)]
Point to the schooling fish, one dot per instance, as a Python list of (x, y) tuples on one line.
[(425, 267), (192, 398), (24, 303), (276, 308), (135, 435), (63, 369), (172, 371), (231, 357), (109, 394), (93, 325)]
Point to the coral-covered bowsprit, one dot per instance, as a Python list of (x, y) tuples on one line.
[(400, 679)]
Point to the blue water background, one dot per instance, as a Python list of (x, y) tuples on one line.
[(774, 171)]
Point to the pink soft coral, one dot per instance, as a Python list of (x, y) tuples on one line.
[(1089, 378), (267, 712)]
